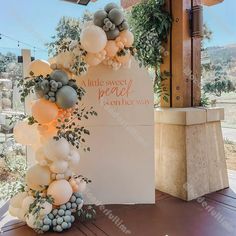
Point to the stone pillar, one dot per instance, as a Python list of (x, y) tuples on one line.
[(189, 147)]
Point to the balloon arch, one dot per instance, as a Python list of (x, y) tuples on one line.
[(52, 195)]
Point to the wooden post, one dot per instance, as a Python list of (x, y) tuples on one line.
[(183, 61)]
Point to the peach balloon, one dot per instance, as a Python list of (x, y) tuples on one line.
[(44, 111), (61, 191), (39, 67), (127, 38), (123, 59), (26, 134), (92, 60), (48, 131), (37, 177), (111, 48)]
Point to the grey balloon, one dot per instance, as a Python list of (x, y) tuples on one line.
[(66, 97), (98, 18), (113, 34), (116, 16), (60, 76), (125, 25), (111, 6)]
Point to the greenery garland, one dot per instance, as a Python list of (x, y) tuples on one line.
[(150, 24)]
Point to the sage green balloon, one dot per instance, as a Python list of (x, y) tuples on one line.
[(111, 6), (60, 76), (66, 97), (113, 34), (125, 25), (116, 16), (98, 18)]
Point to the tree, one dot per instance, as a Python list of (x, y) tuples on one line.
[(67, 27), (218, 82)]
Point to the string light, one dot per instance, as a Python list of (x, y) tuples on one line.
[(22, 43)]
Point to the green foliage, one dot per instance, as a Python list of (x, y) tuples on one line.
[(150, 24), (219, 82), (67, 28), (70, 130)]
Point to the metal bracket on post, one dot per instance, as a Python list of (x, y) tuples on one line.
[(196, 21)]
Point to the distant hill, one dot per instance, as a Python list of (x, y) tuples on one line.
[(222, 54)]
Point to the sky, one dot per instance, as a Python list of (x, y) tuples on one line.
[(34, 22)]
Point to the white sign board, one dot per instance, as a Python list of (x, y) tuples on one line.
[(121, 161)]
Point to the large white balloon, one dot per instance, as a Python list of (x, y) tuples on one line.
[(26, 134), (56, 150), (93, 39)]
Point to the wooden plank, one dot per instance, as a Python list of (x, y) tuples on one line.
[(165, 100), (171, 216), (196, 66), (129, 3), (181, 54), (211, 2)]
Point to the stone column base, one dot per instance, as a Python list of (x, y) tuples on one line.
[(189, 152)]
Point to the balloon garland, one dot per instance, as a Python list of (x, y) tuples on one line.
[(106, 40), (53, 191)]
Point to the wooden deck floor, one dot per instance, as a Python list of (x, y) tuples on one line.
[(213, 215)]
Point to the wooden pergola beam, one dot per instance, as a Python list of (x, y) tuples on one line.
[(211, 2)]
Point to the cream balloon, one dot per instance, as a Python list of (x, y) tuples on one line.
[(40, 157), (127, 38), (74, 161), (82, 186), (39, 67), (111, 48), (31, 221), (26, 134), (17, 200), (92, 60), (60, 191), (46, 208), (44, 111), (37, 177), (27, 202), (55, 150), (93, 39), (59, 167)]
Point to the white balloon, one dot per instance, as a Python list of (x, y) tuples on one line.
[(40, 157), (82, 186), (17, 200), (56, 150), (93, 39), (46, 208), (31, 220), (68, 174), (13, 211), (27, 202), (59, 167), (74, 161)]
